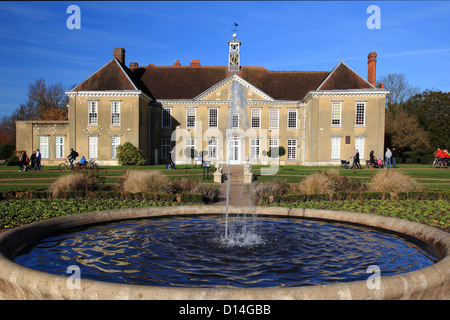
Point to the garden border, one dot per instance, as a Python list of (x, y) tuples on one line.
[(19, 282)]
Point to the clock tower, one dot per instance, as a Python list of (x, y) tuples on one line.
[(234, 59)]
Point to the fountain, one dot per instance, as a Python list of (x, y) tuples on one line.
[(270, 270), (194, 252), (234, 131)]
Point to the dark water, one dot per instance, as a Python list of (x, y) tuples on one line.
[(191, 251)]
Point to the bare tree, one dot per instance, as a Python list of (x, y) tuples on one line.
[(50, 101), (399, 90)]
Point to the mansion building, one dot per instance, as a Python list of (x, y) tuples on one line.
[(319, 117)]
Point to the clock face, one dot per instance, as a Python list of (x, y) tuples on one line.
[(234, 47), (234, 59)]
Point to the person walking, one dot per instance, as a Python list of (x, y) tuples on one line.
[(388, 156), (372, 159), (22, 161), (357, 163), (33, 159), (38, 160), (354, 158), (394, 157)]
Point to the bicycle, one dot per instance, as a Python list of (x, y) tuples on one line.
[(439, 163), (91, 164), (64, 166)]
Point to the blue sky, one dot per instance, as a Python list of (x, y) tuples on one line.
[(293, 35)]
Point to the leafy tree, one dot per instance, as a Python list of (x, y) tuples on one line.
[(128, 154), (432, 111), (404, 132)]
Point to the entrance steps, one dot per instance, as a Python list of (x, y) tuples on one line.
[(236, 174)]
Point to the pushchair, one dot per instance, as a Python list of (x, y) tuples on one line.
[(345, 164)]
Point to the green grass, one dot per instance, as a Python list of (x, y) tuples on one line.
[(11, 179)]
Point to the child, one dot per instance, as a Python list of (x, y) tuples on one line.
[(380, 162)]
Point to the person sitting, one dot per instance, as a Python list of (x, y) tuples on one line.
[(445, 157), (380, 162), (82, 161)]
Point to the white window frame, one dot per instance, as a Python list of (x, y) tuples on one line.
[(92, 113), (289, 119), (93, 147), (190, 143), (191, 117), (335, 148), (59, 146), (336, 113), (359, 145), (166, 118), (360, 119), (291, 149), (165, 147), (274, 116), (273, 143), (235, 119), (256, 118), (115, 113), (212, 148), (115, 142), (43, 146), (255, 149), (213, 120)]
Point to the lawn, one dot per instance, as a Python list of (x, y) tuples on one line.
[(11, 179)]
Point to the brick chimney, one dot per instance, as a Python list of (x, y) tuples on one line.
[(177, 63), (195, 63), (372, 68), (119, 54), (134, 65)]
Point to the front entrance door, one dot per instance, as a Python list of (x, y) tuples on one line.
[(235, 151)]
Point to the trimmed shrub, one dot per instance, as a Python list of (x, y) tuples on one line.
[(128, 154)]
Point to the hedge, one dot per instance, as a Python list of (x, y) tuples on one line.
[(365, 195), (196, 198)]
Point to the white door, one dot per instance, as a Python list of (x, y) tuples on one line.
[(235, 151)]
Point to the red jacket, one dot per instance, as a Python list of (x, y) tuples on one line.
[(439, 154)]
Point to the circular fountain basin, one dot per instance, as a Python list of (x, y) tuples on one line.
[(20, 282)]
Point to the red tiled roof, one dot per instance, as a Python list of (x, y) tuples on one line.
[(110, 77), (174, 82), (344, 78)]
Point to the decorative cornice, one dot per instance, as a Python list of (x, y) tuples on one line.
[(347, 93), (169, 102), (125, 93)]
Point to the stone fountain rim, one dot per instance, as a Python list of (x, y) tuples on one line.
[(19, 282)]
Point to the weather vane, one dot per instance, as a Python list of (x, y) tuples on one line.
[(235, 27)]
